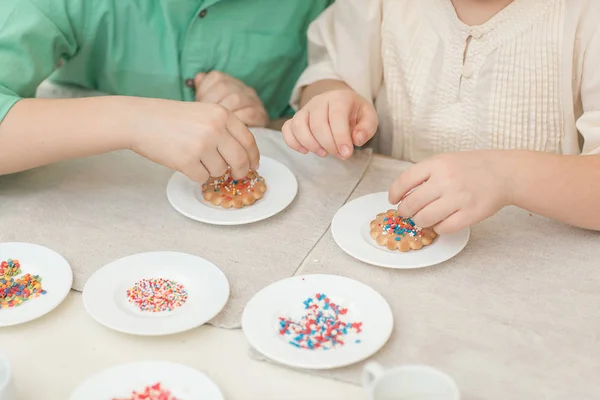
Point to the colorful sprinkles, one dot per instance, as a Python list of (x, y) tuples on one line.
[(232, 187), (152, 392), (10, 268), (321, 327), (16, 291), (400, 226), (157, 295)]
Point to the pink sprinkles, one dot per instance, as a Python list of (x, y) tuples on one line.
[(157, 295), (153, 392), (321, 327)]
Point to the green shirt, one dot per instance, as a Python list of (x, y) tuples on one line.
[(149, 48)]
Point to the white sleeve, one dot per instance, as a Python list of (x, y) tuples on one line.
[(588, 124), (344, 43)]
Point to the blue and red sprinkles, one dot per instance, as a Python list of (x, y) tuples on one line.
[(322, 327), (401, 226), (157, 295), (16, 291), (152, 392)]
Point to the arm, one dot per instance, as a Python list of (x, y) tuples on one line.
[(32, 41), (198, 139), (334, 96), (39, 131), (565, 188), (340, 56), (452, 191)]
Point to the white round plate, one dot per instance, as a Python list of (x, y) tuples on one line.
[(351, 231), (56, 275), (186, 197), (105, 293), (119, 382), (260, 320)]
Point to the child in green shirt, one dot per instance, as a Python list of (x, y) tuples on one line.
[(238, 59)]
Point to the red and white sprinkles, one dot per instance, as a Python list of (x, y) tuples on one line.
[(153, 392), (157, 295), (321, 327)]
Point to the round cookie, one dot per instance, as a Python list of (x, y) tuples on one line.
[(400, 233), (227, 192)]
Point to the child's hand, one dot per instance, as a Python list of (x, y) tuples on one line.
[(456, 190), (197, 139), (219, 88), (332, 123)]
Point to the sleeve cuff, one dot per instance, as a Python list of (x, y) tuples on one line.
[(588, 126), (594, 151), (314, 73)]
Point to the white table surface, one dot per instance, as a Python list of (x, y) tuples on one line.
[(53, 354)]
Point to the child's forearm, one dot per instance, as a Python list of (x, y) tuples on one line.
[(319, 87), (41, 131), (566, 188)]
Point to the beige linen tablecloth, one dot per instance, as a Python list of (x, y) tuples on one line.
[(516, 315), (98, 209)]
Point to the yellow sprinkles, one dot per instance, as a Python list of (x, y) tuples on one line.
[(16, 291)]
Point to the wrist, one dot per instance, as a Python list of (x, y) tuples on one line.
[(134, 116), (507, 165), (320, 87), (519, 173), (120, 118)]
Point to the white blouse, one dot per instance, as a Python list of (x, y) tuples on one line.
[(529, 78)]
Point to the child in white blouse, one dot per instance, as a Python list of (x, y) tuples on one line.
[(497, 102)]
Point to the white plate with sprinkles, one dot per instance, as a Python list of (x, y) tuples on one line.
[(34, 280), (317, 321), (186, 197), (154, 294), (352, 232), (148, 380)]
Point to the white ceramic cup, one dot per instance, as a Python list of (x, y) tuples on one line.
[(6, 387), (408, 382)]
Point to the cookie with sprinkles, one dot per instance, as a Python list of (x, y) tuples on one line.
[(400, 233), (227, 192)]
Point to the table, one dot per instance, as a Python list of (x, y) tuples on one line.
[(53, 354), (535, 318)]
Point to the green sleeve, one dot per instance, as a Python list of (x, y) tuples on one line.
[(34, 36)]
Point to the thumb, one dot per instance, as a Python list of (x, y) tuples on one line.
[(198, 79), (366, 124)]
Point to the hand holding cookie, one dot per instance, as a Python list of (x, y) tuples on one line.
[(198, 139), (453, 191), (332, 123)]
